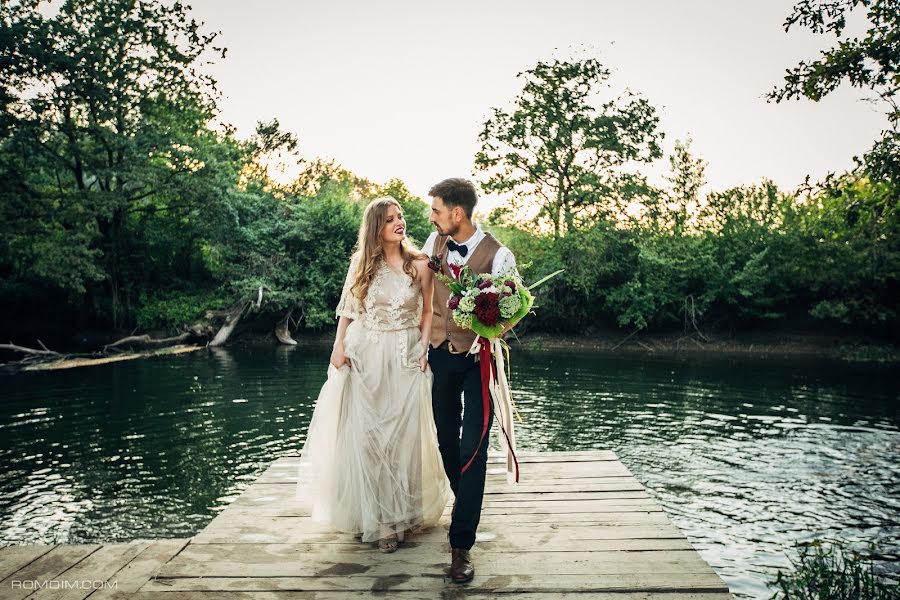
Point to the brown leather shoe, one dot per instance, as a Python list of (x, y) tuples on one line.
[(461, 568)]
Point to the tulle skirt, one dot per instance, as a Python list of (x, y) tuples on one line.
[(370, 464)]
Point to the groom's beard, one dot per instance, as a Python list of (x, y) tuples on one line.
[(451, 231)]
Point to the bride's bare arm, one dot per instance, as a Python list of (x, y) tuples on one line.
[(337, 352), (427, 280)]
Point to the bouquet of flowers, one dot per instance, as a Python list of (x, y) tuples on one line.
[(489, 305), (486, 304)]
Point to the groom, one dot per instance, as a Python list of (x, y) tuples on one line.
[(460, 242)]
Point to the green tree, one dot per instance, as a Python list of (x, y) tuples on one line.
[(672, 208), (108, 94), (852, 268), (870, 62), (687, 177), (558, 149), (47, 237), (751, 237)]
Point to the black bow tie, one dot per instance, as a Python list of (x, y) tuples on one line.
[(461, 248)]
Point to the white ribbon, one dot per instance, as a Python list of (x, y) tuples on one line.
[(501, 396)]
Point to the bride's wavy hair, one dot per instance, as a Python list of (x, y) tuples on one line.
[(370, 248)]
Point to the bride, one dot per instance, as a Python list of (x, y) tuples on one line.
[(370, 464)]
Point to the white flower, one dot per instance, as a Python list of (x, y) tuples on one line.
[(462, 319), (510, 306), (467, 303)]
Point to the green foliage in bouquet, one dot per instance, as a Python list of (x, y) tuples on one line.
[(486, 304)]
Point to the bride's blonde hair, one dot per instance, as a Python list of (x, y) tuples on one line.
[(370, 248)]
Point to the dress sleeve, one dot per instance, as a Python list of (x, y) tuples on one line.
[(428, 247), (349, 305)]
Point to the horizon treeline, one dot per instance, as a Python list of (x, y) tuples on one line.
[(123, 208)]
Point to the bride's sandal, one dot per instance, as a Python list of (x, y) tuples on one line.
[(388, 544)]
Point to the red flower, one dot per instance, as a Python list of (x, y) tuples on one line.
[(434, 263), (453, 302), (484, 285), (511, 285), (455, 269), (487, 308)]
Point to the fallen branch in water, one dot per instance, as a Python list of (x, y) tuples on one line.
[(131, 345), (625, 339), (31, 351), (147, 341)]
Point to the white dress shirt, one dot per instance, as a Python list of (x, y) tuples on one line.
[(504, 261)]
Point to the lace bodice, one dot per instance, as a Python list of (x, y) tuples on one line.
[(394, 300)]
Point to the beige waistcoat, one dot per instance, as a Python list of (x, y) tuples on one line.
[(442, 326)]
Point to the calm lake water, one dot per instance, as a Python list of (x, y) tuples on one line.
[(747, 456)]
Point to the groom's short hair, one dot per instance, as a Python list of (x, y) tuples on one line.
[(456, 191)]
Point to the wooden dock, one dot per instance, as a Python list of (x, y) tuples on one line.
[(579, 525)]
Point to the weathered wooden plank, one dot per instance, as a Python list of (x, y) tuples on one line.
[(532, 487), (274, 531), (523, 456), (141, 569), (553, 496), (577, 519), (508, 544), (461, 593), (398, 581), (578, 504), (271, 528), (537, 470), (14, 558), (499, 485), (279, 505), (48, 566), (569, 470), (97, 568), (496, 485), (262, 494), (495, 478), (286, 560), (286, 509), (489, 508)]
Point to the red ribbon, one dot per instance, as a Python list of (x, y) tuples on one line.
[(484, 355)]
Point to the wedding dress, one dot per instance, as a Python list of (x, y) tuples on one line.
[(370, 464)]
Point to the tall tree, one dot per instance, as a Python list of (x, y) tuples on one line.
[(870, 62), (110, 96), (687, 177), (671, 208), (561, 149)]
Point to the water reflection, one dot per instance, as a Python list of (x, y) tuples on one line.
[(745, 456)]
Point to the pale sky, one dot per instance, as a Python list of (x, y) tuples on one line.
[(401, 89)]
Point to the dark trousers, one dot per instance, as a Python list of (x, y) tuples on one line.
[(456, 374)]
